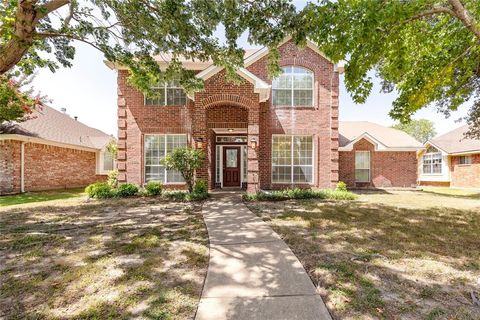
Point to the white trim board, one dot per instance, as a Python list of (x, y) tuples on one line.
[(19, 137)]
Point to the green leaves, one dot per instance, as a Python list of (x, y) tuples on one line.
[(422, 129), (185, 160), (422, 49)]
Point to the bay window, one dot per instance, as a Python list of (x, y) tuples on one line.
[(156, 147), (292, 159), (294, 87), (362, 166)]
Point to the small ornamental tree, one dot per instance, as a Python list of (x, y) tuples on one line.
[(185, 160)]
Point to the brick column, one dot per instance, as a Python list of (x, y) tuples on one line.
[(199, 131), (253, 184), (122, 137)]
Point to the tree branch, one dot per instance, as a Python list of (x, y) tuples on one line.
[(48, 7), (462, 14), (44, 35)]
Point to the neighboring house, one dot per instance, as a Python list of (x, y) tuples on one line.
[(451, 160), (260, 134), (51, 151), (371, 155)]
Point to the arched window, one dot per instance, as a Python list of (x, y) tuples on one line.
[(294, 87), (432, 161)]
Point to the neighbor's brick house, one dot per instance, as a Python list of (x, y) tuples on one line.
[(260, 134), (51, 151), (451, 160)]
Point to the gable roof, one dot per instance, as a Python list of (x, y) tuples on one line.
[(383, 138), (55, 126), (455, 142)]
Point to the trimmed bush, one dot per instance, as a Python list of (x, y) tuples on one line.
[(341, 186), (99, 190), (201, 186), (153, 188), (297, 193), (126, 190)]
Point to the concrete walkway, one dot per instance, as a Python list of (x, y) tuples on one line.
[(252, 273)]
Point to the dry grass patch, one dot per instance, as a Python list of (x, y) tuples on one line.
[(401, 255), (120, 259)]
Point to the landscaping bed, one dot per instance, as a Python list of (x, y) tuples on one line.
[(388, 255), (142, 258)]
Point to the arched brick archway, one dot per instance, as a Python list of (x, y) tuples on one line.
[(227, 99), (233, 110)]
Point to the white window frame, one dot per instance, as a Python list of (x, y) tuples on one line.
[(430, 155), (369, 166), (467, 163), (145, 155), (167, 85), (308, 72), (101, 162), (291, 164)]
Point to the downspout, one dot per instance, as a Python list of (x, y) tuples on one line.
[(22, 167)]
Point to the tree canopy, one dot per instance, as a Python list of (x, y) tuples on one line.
[(40, 33), (428, 51), (421, 129)]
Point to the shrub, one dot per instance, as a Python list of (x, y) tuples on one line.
[(185, 160), (99, 190), (153, 188), (113, 178), (201, 186), (297, 193), (126, 190), (341, 186)]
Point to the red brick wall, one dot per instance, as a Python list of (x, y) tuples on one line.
[(9, 166), (465, 176), (320, 121), (222, 102), (46, 167), (388, 168)]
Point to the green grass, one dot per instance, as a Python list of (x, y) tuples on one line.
[(31, 197), (474, 194)]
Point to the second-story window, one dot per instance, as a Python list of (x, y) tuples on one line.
[(167, 94), (293, 88)]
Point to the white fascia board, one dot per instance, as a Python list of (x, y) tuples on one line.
[(377, 144), (260, 86), (19, 137), (429, 143), (464, 153)]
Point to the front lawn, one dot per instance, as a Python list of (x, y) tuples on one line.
[(388, 255), (142, 258), (40, 196)]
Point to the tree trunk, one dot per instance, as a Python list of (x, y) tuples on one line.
[(13, 51)]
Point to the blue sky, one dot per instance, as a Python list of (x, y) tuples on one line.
[(88, 90)]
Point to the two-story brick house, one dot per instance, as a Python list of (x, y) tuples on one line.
[(261, 134)]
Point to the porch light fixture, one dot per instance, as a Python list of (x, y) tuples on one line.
[(199, 143), (230, 130), (253, 143)]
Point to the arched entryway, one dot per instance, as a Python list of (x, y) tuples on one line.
[(227, 124)]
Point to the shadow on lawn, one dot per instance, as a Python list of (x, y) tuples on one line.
[(383, 261), (113, 259)]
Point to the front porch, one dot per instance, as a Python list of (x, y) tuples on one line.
[(229, 136)]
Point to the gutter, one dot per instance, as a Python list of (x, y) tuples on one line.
[(22, 167)]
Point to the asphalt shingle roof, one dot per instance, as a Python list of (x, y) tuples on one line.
[(53, 125), (455, 141), (392, 138)]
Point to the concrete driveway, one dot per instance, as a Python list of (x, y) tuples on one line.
[(252, 273)]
